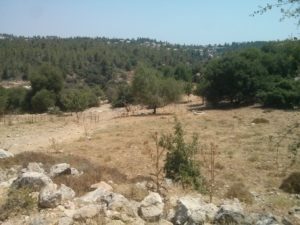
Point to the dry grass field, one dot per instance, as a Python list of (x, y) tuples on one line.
[(247, 141)]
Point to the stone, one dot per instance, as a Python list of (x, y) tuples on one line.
[(60, 169), (33, 180), (230, 212), (119, 203), (5, 154), (75, 172), (67, 193), (102, 185), (267, 220), (85, 212), (65, 221), (151, 208), (49, 197), (94, 196), (193, 210)]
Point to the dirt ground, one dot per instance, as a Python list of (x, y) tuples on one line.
[(246, 149)]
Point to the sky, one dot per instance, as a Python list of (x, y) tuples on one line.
[(175, 21)]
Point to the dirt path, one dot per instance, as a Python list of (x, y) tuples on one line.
[(42, 132)]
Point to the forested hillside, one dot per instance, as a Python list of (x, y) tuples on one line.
[(72, 74), (98, 60)]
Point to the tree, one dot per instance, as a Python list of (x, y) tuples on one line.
[(288, 8), (232, 78), (3, 100), (151, 89), (42, 101), (46, 77)]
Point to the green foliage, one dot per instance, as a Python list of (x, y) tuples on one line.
[(180, 162), (16, 98), (265, 75), (288, 8), (119, 94), (19, 201), (78, 99), (46, 77), (151, 89), (3, 100), (42, 101), (282, 94)]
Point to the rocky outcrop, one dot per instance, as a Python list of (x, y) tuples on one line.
[(5, 154), (33, 180), (151, 208)]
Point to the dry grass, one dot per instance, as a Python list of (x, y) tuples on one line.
[(124, 143), (241, 192), (92, 172)]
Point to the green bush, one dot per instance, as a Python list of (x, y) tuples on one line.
[(180, 164), (42, 101), (78, 99), (3, 100), (119, 94), (282, 94)]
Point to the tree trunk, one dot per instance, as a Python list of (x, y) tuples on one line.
[(154, 110)]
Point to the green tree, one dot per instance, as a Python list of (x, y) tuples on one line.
[(180, 164), (3, 100), (151, 89), (46, 77), (42, 101)]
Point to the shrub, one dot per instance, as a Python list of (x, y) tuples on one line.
[(42, 100), (78, 99), (292, 183), (180, 162)]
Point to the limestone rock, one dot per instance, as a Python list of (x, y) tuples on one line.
[(66, 192), (230, 212), (193, 210), (85, 212), (102, 185), (5, 154), (60, 169), (49, 197), (94, 196), (151, 208), (32, 180)]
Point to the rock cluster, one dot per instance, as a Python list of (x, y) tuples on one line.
[(59, 205)]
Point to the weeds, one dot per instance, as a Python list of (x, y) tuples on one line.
[(19, 201)]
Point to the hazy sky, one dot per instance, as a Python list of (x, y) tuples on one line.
[(176, 21)]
